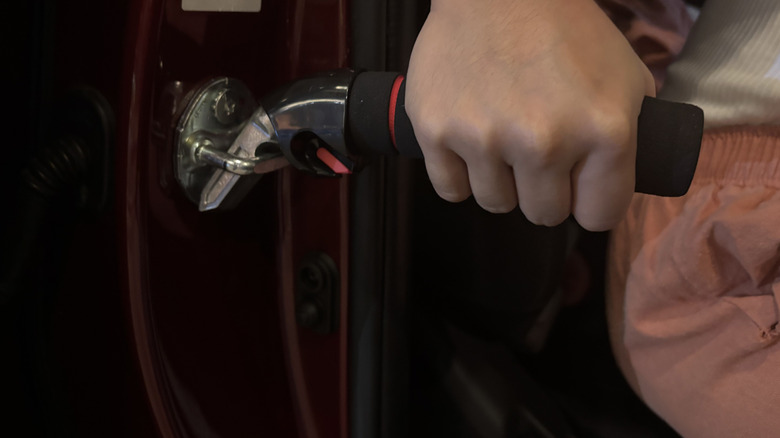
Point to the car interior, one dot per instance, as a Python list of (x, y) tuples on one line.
[(462, 323)]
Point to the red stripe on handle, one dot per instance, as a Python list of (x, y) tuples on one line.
[(393, 102)]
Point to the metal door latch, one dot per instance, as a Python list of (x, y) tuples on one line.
[(224, 138), (213, 148)]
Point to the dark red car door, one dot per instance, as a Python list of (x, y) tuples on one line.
[(212, 296), (188, 324)]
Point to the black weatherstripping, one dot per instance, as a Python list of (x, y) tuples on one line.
[(383, 33), (367, 111)]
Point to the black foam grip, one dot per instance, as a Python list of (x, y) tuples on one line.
[(368, 105), (668, 135), (667, 146)]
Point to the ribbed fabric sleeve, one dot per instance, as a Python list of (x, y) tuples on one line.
[(730, 65), (740, 155)]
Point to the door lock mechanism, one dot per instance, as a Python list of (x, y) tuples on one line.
[(224, 138), (205, 134)]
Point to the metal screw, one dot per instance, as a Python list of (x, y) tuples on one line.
[(225, 108)]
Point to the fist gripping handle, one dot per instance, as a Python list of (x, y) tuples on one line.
[(668, 142)]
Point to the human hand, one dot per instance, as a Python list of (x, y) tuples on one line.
[(529, 102)]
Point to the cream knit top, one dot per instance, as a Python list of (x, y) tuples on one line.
[(730, 65)]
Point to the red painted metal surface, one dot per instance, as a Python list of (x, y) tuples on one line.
[(95, 374), (210, 294)]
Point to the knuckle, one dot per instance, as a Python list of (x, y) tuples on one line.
[(596, 224), (548, 218), (546, 153), (539, 146), (470, 136), (650, 85), (452, 195), (428, 134), (554, 221), (613, 129), (600, 209), (497, 207), (489, 148)]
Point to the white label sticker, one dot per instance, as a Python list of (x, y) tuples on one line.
[(222, 5)]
